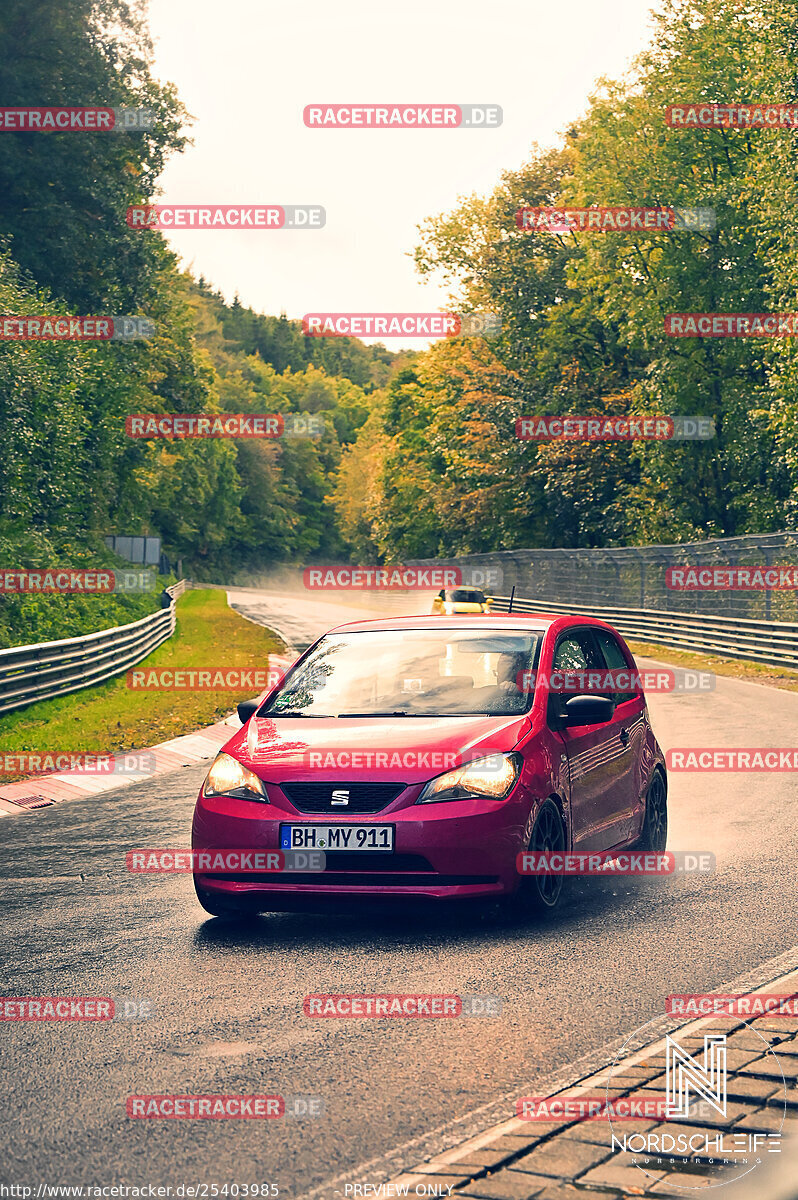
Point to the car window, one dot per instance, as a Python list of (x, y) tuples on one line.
[(616, 661), (577, 651), (576, 656), (412, 672)]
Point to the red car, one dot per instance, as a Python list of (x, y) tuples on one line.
[(423, 755)]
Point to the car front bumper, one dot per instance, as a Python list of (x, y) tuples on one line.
[(451, 850)]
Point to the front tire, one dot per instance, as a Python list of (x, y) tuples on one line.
[(540, 893), (654, 834)]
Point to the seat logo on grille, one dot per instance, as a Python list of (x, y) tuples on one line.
[(340, 796)]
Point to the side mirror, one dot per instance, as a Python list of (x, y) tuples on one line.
[(579, 710), (588, 710), (247, 709)]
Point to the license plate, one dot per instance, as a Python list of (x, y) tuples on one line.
[(374, 838)]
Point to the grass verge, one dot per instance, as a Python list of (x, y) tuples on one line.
[(112, 718), (734, 668)]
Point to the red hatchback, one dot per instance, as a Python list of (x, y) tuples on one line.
[(421, 756)]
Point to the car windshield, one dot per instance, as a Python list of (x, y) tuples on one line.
[(465, 596), (412, 673)]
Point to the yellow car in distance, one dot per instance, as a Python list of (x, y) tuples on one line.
[(454, 601)]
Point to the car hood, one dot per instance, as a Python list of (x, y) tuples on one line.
[(406, 749)]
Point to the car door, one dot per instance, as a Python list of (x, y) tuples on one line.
[(596, 754), (630, 717)]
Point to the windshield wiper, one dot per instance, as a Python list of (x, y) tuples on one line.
[(285, 712), (435, 713), (399, 712)]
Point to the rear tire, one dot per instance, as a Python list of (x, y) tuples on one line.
[(224, 908), (654, 834)]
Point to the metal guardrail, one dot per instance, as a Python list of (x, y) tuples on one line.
[(49, 669), (636, 577), (771, 642), (758, 624)]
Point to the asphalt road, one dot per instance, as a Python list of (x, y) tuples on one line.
[(227, 1004)]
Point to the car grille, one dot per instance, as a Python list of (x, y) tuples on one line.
[(363, 797), (362, 860)]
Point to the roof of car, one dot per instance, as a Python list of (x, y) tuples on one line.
[(536, 621)]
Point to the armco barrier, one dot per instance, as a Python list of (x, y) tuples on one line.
[(732, 637), (636, 577), (628, 586), (31, 673)]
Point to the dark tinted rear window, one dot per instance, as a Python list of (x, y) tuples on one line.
[(465, 596)]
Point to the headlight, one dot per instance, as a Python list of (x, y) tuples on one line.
[(493, 777), (227, 777)]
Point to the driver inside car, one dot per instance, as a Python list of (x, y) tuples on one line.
[(508, 671)]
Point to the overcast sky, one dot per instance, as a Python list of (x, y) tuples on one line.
[(246, 69)]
